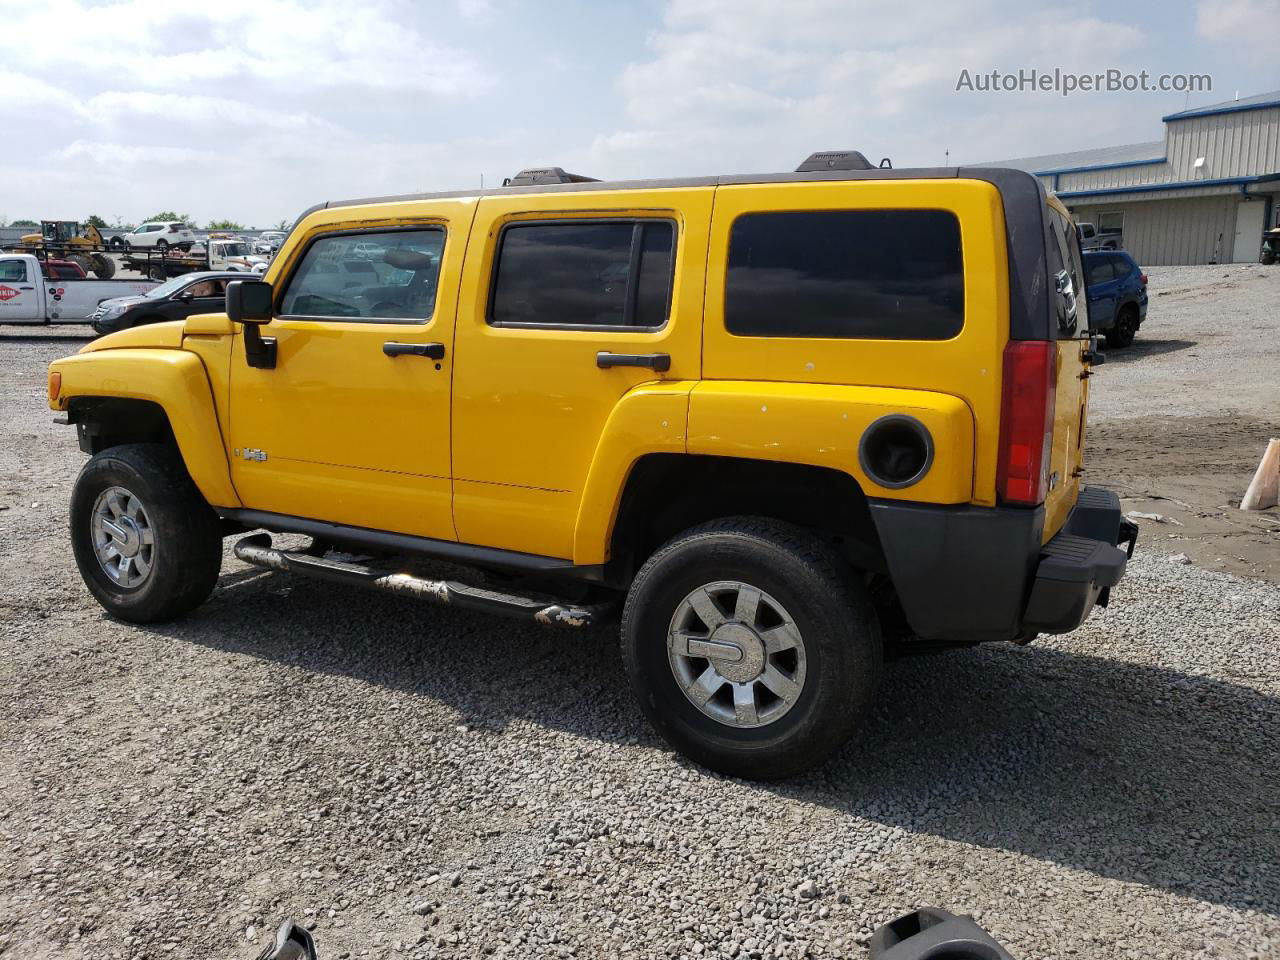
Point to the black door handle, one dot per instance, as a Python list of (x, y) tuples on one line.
[(433, 350), (654, 361)]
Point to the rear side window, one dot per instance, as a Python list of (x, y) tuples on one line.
[(862, 274), (1098, 270), (1121, 265), (585, 274), (14, 271), (381, 275)]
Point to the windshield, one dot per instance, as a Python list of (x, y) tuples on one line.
[(235, 249), (167, 288)]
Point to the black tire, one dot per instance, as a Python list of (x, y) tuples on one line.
[(830, 608), (103, 266), (1125, 329), (157, 274), (116, 243), (162, 245), (186, 547)]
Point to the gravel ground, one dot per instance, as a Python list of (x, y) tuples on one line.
[(427, 783), (1179, 421)]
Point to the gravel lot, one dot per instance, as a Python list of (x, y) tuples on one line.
[(430, 783)]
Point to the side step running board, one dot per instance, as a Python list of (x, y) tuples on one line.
[(257, 550)]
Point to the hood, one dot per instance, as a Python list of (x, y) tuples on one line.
[(165, 335), (122, 301)]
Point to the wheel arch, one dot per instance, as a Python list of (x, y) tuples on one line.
[(667, 493), (142, 395)]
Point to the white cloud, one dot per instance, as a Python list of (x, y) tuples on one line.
[(306, 45), (1249, 26), (753, 81)]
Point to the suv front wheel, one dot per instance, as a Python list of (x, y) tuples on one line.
[(751, 647), (148, 546)]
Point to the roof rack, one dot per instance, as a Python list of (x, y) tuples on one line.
[(835, 160), (536, 175)]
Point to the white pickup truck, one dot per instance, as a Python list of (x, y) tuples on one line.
[(27, 297)]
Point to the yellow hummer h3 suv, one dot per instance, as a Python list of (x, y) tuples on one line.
[(783, 418)]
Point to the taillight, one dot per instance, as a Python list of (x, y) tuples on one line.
[(1026, 421), (1143, 278)]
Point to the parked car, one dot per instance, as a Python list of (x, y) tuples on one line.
[(62, 270), (175, 299), (216, 255), (1117, 295), (813, 415), (1093, 239), (27, 296), (160, 234), (269, 242)]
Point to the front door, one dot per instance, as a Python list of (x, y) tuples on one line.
[(19, 293), (351, 426), (617, 273)]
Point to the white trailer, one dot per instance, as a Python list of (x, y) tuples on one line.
[(27, 297)]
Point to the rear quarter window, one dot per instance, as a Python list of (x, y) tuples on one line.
[(846, 274)]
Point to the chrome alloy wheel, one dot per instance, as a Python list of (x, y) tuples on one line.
[(122, 537), (737, 654)]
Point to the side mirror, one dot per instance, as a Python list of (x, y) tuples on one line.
[(249, 301), (186, 296)]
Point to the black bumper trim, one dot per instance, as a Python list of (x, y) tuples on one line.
[(977, 574), (1079, 566)]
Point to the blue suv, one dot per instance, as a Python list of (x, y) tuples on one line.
[(1117, 295)]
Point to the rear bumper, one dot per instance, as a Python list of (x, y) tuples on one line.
[(1078, 567), (973, 574)]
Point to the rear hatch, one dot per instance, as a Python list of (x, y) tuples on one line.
[(1066, 464)]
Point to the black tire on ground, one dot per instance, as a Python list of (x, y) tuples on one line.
[(1125, 329), (830, 609), (103, 266), (186, 539), (156, 273)]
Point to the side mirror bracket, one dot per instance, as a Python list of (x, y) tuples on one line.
[(249, 304)]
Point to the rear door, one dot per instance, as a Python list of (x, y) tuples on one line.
[(551, 283), (1101, 280), (20, 300), (1067, 274)]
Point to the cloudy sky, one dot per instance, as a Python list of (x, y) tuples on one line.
[(255, 109)]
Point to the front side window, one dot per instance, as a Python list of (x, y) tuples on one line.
[(584, 274), (13, 271), (382, 275), (861, 274)]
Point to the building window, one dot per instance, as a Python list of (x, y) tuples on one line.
[(1111, 221)]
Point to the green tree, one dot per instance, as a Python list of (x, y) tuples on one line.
[(169, 215), (93, 220), (24, 223), (282, 225), (224, 225)]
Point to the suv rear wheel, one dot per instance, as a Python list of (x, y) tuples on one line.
[(148, 546), (1125, 329), (751, 647)]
